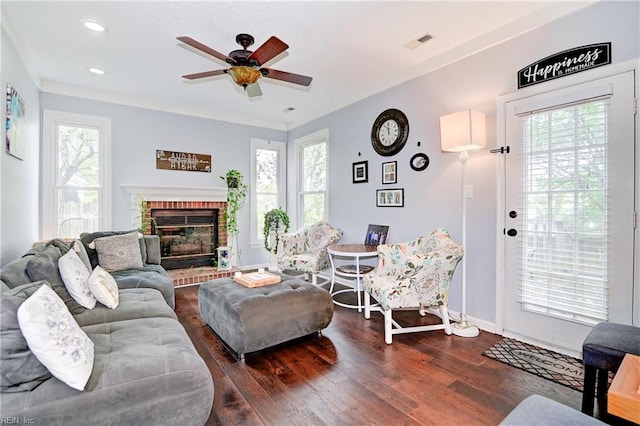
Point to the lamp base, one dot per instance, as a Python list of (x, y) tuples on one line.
[(464, 329)]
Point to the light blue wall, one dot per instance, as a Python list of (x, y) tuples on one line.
[(432, 197), (19, 214), (136, 133)]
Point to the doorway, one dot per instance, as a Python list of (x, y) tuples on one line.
[(569, 211)]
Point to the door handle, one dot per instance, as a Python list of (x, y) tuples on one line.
[(512, 232)]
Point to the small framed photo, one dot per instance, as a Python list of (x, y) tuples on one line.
[(361, 172), (419, 162), (390, 197), (389, 172)]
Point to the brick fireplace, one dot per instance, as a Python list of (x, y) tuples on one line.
[(190, 231), (200, 202)]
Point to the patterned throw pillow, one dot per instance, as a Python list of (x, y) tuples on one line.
[(104, 288), (119, 252), (76, 279), (55, 337)]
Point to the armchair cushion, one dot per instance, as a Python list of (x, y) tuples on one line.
[(306, 250), (414, 274)]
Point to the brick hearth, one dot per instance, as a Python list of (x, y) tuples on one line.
[(192, 276)]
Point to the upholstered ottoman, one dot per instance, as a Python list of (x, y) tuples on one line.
[(251, 319), (602, 351)]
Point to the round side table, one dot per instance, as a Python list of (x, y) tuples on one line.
[(355, 272)]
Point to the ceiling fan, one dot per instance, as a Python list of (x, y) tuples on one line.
[(246, 66)]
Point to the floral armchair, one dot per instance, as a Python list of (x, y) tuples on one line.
[(306, 250), (413, 275)]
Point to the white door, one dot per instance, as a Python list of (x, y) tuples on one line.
[(569, 219)]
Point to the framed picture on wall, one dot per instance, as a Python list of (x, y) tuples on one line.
[(390, 197), (389, 174), (360, 172)]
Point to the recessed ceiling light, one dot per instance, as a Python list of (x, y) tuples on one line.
[(93, 26), (96, 71)]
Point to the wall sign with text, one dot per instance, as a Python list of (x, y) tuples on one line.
[(565, 63), (174, 160)]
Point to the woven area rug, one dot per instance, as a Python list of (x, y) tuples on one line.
[(550, 365)]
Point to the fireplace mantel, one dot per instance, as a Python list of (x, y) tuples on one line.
[(176, 193)]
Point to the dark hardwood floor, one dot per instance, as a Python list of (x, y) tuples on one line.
[(350, 376)]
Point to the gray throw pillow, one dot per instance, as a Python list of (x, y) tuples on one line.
[(20, 370), (152, 249), (44, 266), (88, 238), (119, 252), (14, 273), (81, 251)]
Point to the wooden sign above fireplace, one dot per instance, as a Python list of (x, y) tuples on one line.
[(186, 161)]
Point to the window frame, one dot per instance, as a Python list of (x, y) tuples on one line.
[(319, 137), (49, 185), (281, 149)]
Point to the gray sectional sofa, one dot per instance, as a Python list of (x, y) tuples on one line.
[(146, 371)]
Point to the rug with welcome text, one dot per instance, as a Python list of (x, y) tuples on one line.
[(550, 365)]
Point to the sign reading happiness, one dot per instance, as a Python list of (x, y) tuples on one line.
[(565, 63)]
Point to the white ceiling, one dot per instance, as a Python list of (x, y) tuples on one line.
[(351, 49)]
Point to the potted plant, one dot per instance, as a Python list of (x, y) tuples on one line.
[(236, 193), (275, 220)]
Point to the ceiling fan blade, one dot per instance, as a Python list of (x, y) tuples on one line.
[(254, 90), (201, 47), (203, 74), (269, 50), (302, 80)]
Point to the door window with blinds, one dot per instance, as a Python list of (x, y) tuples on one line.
[(569, 208), (565, 222)]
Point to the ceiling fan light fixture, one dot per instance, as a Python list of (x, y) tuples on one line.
[(244, 76)]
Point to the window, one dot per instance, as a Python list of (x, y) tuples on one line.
[(312, 165), (268, 184), (76, 185), (565, 270)]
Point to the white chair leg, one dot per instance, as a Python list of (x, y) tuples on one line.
[(388, 325), (445, 319), (367, 305), (314, 279)]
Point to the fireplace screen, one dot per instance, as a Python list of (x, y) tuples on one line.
[(188, 237)]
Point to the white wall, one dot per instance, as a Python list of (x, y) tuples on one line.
[(19, 213), (137, 133), (432, 196)]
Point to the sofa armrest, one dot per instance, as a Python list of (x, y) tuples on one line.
[(152, 243)]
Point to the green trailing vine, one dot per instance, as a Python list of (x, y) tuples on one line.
[(275, 219), (236, 194), (145, 222)]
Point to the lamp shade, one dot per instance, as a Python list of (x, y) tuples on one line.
[(462, 131)]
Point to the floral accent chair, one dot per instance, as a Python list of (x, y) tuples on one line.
[(413, 275), (306, 250)]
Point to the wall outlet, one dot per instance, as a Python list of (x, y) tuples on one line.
[(469, 191)]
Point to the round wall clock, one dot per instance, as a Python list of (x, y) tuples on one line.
[(390, 132)]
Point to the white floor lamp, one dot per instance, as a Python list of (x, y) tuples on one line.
[(462, 132)]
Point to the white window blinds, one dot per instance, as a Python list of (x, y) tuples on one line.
[(565, 198)]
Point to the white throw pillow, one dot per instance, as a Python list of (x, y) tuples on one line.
[(119, 252), (76, 279), (104, 287), (55, 337)]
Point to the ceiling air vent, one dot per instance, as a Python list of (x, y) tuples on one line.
[(418, 42)]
